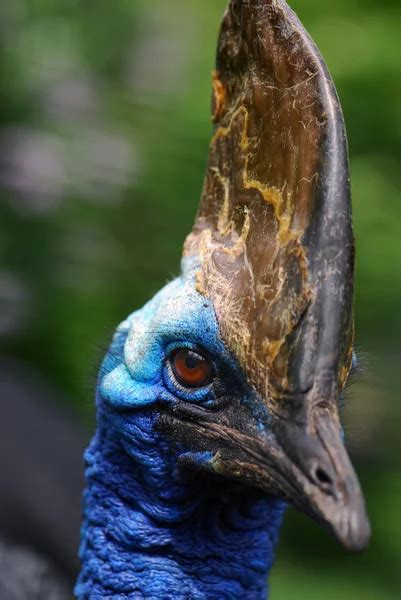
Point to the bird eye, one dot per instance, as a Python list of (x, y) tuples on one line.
[(191, 369)]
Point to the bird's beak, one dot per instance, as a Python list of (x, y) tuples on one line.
[(302, 460), (315, 473)]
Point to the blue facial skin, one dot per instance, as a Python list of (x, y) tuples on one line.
[(151, 530)]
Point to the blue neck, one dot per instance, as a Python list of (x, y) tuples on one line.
[(152, 533)]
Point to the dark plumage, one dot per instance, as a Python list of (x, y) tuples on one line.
[(40, 487)]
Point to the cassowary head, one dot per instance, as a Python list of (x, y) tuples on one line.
[(242, 361)]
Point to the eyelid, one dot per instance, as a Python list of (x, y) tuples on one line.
[(195, 347)]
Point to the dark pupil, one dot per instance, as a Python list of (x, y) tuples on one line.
[(192, 360)]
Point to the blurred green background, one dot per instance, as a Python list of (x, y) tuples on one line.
[(104, 128)]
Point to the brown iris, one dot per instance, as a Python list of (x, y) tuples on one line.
[(191, 368)]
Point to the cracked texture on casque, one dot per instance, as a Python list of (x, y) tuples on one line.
[(260, 189)]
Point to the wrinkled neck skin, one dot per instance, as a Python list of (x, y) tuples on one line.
[(147, 535), (152, 530)]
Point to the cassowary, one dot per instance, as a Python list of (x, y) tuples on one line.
[(218, 402)]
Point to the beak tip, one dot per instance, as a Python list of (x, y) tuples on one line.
[(355, 532), (359, 537)]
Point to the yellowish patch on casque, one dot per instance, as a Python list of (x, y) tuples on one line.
[(223, 223), (211, 280), (270, 194), (219, 96)]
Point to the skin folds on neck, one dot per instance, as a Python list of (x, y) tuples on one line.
[(151, 533)]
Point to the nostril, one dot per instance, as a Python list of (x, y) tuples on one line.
[(323, 478)]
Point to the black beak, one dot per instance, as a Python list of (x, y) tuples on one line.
[(302, 460), (317, 476)]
